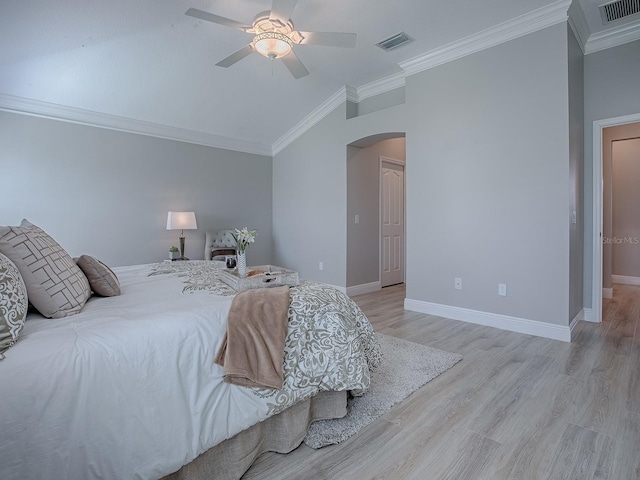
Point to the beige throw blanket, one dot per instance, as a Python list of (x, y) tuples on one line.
[(252, 350)]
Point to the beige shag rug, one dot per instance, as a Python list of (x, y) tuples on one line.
[(406, 366)]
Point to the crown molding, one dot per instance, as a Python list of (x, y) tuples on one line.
[(328, 106), (352, 94), (579, 25), (382, 85), (37, 108), (504, 32), (612, 37), (531, 22)]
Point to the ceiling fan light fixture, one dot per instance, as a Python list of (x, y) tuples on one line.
[(274, 37), (272, 44)]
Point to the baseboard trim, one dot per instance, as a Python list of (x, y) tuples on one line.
[(607, 292), (503, 322), (588, 315), (626, 280), (574, 322), (364, 288)]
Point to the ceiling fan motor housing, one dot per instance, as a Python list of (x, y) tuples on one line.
[(273, 39)]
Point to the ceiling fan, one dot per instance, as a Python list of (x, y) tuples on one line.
[(274, 36)]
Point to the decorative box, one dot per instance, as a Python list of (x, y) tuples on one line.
[(260, 276)]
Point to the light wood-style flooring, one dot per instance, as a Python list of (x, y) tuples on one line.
[(516, 407)]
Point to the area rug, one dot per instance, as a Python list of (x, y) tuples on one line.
[(406, 367)]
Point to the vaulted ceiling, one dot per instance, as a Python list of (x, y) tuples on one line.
[(147, 62)]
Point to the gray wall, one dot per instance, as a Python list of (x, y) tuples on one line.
[(487, 152), (611, 79), (380, 102), (576, 173), (626, 198), (310, 193), (107, 193), (363, 199)]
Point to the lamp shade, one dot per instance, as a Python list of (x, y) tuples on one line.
[(181, 221)]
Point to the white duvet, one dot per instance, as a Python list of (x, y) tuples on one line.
[(128, 388)]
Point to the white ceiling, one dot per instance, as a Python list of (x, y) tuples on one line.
[(146, 60)]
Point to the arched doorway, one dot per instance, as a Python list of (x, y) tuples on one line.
[(369, 254)]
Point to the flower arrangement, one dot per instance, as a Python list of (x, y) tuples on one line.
[(243, 238)]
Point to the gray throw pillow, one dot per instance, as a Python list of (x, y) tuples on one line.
[(14, 303), (101, 278), (57, 287)]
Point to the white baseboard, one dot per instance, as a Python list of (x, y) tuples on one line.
[(504, 322), (588, 315), (364, 288), (607, 292), (625, 280), (580, 316)]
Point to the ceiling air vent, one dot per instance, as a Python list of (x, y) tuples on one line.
[(396, 41), (619, 9)]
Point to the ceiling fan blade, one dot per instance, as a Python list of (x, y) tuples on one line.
[(282, 10), (235, 57), (329, 39), (211, 17), (295, 66)]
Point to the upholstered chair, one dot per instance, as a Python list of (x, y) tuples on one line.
[(219, 244)]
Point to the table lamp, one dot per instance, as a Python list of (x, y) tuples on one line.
[(181, 221)]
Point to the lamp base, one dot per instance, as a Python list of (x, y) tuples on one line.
[(181, 247)]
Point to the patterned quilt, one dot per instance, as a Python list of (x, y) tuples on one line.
[(330, 343)]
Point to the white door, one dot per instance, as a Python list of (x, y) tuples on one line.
[(392, 219)]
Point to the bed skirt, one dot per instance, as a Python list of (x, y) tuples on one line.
[(281, 433)]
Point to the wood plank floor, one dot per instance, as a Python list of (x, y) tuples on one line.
[(516, 407)]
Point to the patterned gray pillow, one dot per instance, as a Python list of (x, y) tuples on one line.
[(101, 278), (13, 304), (56, 285)]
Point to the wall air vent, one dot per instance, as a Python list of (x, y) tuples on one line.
[(619, 9), (396, 41)]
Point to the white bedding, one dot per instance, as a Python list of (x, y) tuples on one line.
[(128, 388)]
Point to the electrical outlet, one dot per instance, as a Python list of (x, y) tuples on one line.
[(502, 289), (357, 219), (457, 283), (320, 266)]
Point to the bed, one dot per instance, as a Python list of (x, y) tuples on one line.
[(127, 387)]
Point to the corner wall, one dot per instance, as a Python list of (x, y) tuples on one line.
[(576, 174)]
